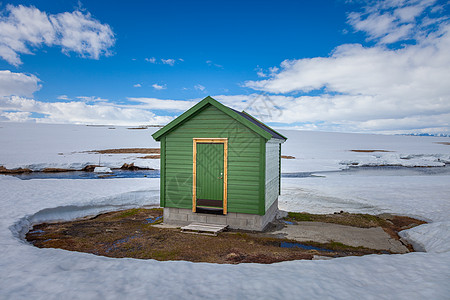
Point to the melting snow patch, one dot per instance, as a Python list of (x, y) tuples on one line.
[(394, 159), (102, 170)]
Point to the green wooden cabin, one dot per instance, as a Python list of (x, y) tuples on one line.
[(219, 166)]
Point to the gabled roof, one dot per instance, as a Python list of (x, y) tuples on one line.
[(242, 117)]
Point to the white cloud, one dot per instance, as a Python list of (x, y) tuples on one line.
[(263, 74), (260, 72), (361, 88), (159, 87), (137, 85), (391, 21), (169, 61), (22, 28), (211, 64), (161, 104), (76, 112), (199, 87), (18, 84), (84, 110), (344, 113), (91, 99), (18, 116)]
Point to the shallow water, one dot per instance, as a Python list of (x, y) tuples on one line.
[(377, 171), (90, 175), (368, 171), (302, 246)]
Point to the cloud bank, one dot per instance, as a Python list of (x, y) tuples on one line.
[(23, 29), (18, 84), (399, 83), (21, 109), (17, 105)]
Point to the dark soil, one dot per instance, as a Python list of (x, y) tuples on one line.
[(131, 233), (157, 156), (369, 151), (128, 150), (4, 170), (55, 170)]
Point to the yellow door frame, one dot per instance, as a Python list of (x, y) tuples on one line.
[(223, 141)]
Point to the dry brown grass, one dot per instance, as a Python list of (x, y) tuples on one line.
[(56, 170), (128, 150), (443, 143), (369, 151), (128, 234), (151, 157), (4, 170)]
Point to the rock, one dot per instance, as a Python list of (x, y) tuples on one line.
[(132, 167), (89, 168)]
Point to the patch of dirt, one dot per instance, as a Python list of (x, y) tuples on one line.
[(394, 224), (56, 170), (287, 157), (342, 218), (128, 150), (131, 233), (443, 143), (151, 157), (4, 170), (369, 151)]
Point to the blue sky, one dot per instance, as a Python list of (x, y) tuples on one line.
[(378, 66)]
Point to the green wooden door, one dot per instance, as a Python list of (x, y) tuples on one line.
[(210, 174)]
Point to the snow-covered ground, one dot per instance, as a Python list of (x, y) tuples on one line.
[(29, 272), (324, 151), (40, 146)]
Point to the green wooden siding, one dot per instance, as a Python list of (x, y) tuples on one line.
[(209, 171), (246, 161)]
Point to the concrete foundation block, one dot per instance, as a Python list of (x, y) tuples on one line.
[(197, 218), (231, 215), (213, 219), (179, 217), (237, 223), (182, 217)]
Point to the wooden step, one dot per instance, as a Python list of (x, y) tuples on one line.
[(204, 228)]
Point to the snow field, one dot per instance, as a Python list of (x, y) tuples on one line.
[(29, 272)]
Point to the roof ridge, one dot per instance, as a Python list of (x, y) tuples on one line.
[(244, 118)]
